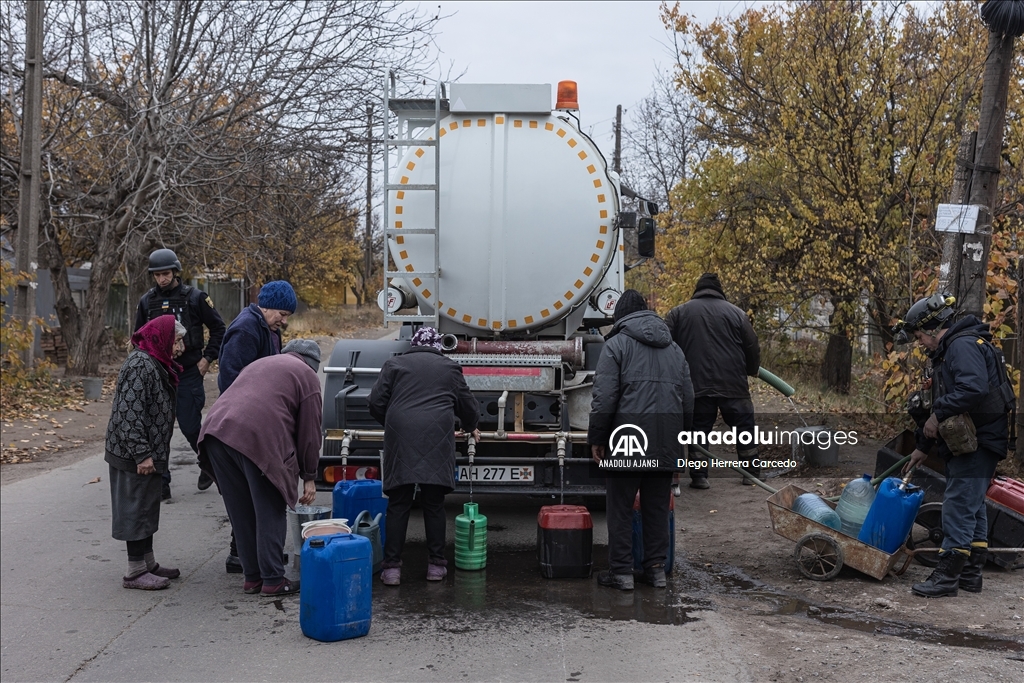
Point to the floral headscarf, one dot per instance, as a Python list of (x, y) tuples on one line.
[(427, 336), (157, 339)]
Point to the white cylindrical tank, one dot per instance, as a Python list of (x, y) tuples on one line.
[(527, 210)]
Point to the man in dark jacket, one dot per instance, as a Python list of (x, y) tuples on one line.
[(722, 349), (194, 309), (256, 332), (642, 383), (417, 397), (968, 383)]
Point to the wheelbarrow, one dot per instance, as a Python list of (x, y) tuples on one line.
[(821, 551)]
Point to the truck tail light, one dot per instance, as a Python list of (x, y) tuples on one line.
[(336, 473)]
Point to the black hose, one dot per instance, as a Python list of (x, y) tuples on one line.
[(1005, 17)]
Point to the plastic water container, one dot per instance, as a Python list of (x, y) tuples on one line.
[(891, 516), (638, 535), (370, 529), (565, 541), (470, 538), (352, 497), (854, 504), (811, 506), (335, 587)]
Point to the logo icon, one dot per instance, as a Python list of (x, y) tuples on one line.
[(628, 441)]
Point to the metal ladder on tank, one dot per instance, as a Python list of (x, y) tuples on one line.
[(412, 116)]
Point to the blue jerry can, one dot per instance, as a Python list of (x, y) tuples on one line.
[(335, 587), (352, 497), (891, 515), (638, 535)]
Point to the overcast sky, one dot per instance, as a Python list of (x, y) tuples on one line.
[(611, 49)]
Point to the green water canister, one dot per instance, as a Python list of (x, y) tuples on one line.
[(470, 538)]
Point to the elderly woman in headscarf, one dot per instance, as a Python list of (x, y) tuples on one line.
[(138, 445), (417, 397)]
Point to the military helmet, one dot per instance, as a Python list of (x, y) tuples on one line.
[(928, 313), (163, 259)]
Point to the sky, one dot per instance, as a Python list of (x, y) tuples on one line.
[(613, 50)]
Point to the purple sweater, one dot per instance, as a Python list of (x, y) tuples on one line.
[(272, 415)]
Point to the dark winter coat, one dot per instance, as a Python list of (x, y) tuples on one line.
[(198, 311), (272, 416), (248, 338), (642, 378), (141, 415), (966, 375), (719, 343), (417, 397)]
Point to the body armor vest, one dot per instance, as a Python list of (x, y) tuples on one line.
[(178, 305)]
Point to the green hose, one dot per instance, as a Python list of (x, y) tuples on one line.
[(776, 382)]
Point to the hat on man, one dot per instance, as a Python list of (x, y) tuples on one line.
[(278, 295), (630, 301), (709, 281), (307, 349)]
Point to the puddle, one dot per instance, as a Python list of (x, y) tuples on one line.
[(511, 588), (866, 623), (736, 582)]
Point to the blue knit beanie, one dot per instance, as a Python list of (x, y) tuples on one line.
[(279, 296)]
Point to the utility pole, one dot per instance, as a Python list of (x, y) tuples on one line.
[(368, 236), (953, 242), (29, 182), (985, 179), (617, 159)]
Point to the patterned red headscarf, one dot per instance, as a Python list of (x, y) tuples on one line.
[(157, 339)]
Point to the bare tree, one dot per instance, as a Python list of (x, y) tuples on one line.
[(163, 119), (660, 142)]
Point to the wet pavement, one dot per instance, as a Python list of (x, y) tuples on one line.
[(511, 589), (66, 617)]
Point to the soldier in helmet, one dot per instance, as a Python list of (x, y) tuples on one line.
[(965, 417), (194, 309)]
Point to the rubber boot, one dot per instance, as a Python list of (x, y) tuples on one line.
[(945, 580), (756, 472), (970, 577)]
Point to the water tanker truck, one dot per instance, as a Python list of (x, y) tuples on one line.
[(504, 229)]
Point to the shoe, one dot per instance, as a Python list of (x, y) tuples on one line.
[(286, 587), (205, 481), (392, 576), (945, 580), (675, 490), (146, 581), (699, 483), (252, 587), (436, 572), (623, 582), (970, 576), (165, 572), (165, 492), (232, 565), (749, 481), (655, 576)]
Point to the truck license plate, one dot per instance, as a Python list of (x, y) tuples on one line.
[(496, 474)]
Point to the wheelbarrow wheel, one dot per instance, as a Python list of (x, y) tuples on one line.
[(927, 533), (818, 557)]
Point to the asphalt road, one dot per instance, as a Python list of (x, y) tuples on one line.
[(66, 616)]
